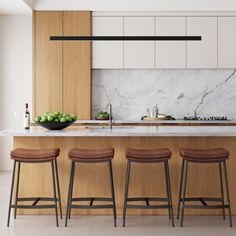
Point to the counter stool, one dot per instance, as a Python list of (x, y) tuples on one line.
[(204, 156), (35, 156), (147, 156), (90, 156)]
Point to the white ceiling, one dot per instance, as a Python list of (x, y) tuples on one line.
[(14, 7), (136, 5), (23, 6)]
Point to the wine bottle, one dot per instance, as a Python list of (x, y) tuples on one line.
[(26, 117)]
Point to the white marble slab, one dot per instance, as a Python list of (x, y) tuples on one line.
[(156, 122), (176, 92), (127, 131)]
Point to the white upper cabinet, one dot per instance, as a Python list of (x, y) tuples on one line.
[(170, 54), (216, 49), (202, 54), (107, 54), (139, 54), (226, 42)]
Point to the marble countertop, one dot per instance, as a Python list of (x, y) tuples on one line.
[(179, 121), (126, 131)]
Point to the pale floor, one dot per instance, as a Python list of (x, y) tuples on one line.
[(103, 225)]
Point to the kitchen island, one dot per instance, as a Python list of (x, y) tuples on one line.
[(145, 180)]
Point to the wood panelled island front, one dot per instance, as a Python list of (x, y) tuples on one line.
[(146, 179)]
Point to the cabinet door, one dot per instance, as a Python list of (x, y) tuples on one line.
[(76, 65), (107, 54), (202, 54), (48, 62), (139, 54), (226, 42), (170, 54)]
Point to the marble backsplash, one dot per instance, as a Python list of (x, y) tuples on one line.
[(176, 92)]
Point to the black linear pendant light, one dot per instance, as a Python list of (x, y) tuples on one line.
[(125, 38)]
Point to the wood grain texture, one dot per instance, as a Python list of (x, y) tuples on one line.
[(48, 62), (146, 179), (33, 64), (77, 65)]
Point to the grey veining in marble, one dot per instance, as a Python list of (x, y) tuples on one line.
[(127, 131), (176, 92)]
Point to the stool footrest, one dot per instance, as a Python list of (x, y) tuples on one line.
[(91, 201), (45, 199), (137, 199), (90, 206), (203, 201), (85, 199), (206, 206), (209, 199), (148, 206), (36, 200), (33, 206)]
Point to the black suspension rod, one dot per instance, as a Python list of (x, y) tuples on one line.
[(125, 38)]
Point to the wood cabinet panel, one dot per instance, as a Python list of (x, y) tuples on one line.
[(62, 70), (77, 65), (48, 62)]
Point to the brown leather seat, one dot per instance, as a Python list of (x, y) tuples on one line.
[(91, 155), (31, 155), (204, 155), (146, 155)]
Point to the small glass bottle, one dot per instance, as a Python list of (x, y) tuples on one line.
[(26, 118)]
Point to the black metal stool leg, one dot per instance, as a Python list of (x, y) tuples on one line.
[(54, 191), (112, 192), (10, 201), (180, 188), (17, 188), (227, 193), (72, 189), (69, 191), (126, 191), (58, 187), (167, 190), (222, 189), (167, 174), (184, 193)]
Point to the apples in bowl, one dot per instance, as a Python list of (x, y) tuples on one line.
[(102, 115), (55, 120)]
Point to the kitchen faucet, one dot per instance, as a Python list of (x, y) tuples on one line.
[(110, 115)]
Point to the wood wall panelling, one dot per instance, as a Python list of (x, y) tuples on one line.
[(61, 70), (48, 62), (77, 65)]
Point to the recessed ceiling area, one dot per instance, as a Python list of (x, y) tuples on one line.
[(26, 6), (135, 5), (14, 7)]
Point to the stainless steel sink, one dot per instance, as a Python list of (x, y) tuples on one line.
[(107, 127)]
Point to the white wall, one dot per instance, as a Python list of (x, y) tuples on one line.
[(15, 75)]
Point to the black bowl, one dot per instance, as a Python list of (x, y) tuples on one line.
[(52, 125)]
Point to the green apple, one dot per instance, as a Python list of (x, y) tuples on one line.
[(37, 119)]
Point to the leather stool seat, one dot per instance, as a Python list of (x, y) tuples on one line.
[(91, 155), (146, 155), (204, 155), (31, 155)]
